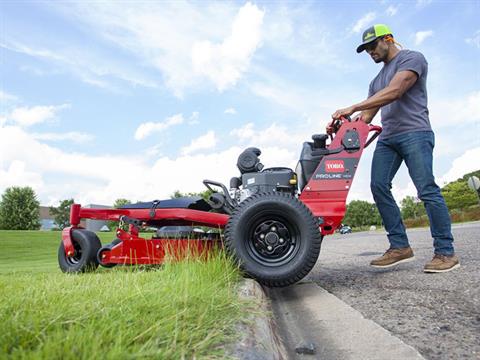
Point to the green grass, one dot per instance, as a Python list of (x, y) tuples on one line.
[(180, 310)]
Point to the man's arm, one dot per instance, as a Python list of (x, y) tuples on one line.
[(368, 115), (400, 83)]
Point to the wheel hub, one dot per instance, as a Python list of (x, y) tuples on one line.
[(272, 240), (77, 254)]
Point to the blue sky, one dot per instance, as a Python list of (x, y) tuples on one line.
[(106, 100)]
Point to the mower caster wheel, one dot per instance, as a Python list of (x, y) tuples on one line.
[(107, 248), (274, 237), (84, 259)]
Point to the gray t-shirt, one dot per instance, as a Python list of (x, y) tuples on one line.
[(410, 112)]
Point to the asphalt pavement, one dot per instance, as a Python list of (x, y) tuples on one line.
[(437, 314)]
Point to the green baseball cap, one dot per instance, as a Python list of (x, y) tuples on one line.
[(372, 34)]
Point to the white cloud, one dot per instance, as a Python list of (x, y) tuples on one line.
[(93, 68), (423, 3), (457, 111), (467, 162), (474, 40), (364, 22), (163, 35), (244, 133), (317, 103), (290, 98), (154, 151), (392, 10), (50, 159), (148, 128), (207, 141), (73, 136), (230, 111), (225, 63), (301, 34), (193, 119), (95, 179), (17, 175), (6, 97), (420, 36), (273, 135), (28, 116)]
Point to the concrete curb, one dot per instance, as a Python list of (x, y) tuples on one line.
[(260, 339), (307, 314)]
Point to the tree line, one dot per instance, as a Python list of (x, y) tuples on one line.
[(457, 194), (20, 208)]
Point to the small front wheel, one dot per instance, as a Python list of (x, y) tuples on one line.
[(84, 259), (102, 250)]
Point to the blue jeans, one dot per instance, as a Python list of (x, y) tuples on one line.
[(415, 148)]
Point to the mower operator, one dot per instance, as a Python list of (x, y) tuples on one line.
[(400, 91)]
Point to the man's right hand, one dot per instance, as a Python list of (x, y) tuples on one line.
[(330, 128)]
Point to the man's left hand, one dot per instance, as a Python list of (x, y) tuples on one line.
[(343, 112)]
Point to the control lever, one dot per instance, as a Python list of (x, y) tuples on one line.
[(231, 202)]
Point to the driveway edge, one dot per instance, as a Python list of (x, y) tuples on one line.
[(260, 339)]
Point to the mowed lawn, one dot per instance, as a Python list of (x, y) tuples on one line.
[(180, 310)]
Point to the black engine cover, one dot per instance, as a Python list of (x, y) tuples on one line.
[(274, 179)]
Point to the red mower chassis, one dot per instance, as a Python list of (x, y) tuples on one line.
[(324, 195)]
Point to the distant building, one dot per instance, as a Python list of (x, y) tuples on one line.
[(95, 225), (47, 222)]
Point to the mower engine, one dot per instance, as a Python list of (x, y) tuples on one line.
[(268, 180), (253, 179)]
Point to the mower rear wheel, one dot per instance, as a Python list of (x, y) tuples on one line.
[(84, 259), (274, 237)]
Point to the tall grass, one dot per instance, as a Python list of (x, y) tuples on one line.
[(185, 309)]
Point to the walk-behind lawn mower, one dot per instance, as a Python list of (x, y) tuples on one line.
[(273, 219)]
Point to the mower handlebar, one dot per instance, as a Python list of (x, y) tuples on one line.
[(377, 129), (335, 125)]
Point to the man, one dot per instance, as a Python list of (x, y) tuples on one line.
[(400, 91)]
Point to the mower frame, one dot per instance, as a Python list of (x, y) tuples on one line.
[(325, 194)]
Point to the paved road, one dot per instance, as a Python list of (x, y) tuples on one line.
[(438, 314)]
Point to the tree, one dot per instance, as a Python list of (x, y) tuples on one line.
[(120, 202), (458, 195), (473, 173), (19, 209), (411, 208), (117, 204), (362, 213), (204, 194), (61, 214)]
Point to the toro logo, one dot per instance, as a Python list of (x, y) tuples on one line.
[(335, 166)]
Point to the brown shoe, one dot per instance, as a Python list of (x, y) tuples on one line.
[(393, 257), (441, 263)]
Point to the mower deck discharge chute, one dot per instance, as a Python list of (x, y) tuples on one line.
[(274, 219)]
